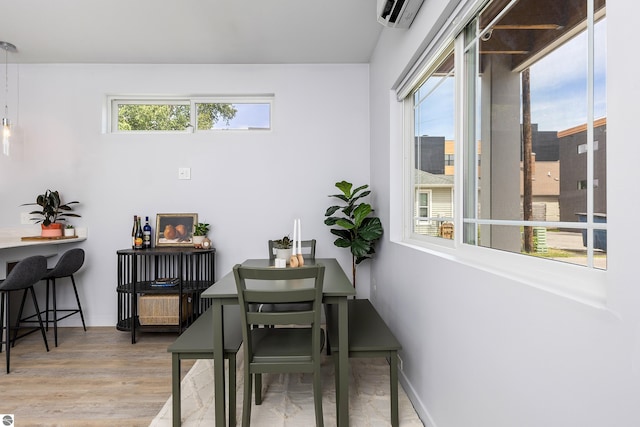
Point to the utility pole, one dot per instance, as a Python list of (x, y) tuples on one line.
[(527, 160)]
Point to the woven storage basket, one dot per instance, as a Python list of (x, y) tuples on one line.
[(162, 309)]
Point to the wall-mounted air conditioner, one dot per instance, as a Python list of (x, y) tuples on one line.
[(398, 13)]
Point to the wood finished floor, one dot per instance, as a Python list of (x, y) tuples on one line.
[(93, 378)]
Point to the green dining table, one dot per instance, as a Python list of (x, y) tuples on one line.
[(336, 290)]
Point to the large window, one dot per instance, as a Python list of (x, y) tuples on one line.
[(432, 179), (532, 99), (189, 114)]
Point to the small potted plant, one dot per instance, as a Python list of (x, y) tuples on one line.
[(69, 231), (200, 231), (283, 248), (53, 212)]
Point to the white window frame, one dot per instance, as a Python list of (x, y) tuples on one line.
[(412, 219), (114, 101), (585, 285), (419, 219)]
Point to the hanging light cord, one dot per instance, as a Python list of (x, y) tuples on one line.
[(6, 82)]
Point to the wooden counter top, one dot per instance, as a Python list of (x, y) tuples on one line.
[(40, 238), (18, 237)]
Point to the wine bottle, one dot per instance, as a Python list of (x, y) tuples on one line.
[(146, 234), (133, 232), (139, 238)]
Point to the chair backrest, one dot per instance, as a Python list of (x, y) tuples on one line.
[(257, 285), (308, 249), (68, 264), (25, 273)]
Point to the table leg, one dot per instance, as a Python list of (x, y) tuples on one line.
[(232, 389), (218, 363), (393, 374), (175, 389), (343, 362)]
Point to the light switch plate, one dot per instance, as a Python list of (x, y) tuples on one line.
[(184, 173)]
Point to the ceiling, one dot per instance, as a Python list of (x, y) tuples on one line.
[(530, 27), (524, 31), (190, 31)]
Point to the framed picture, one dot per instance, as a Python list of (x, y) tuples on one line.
[(175, 229)]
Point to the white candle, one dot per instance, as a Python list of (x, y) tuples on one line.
[(293, 251), (299, 237)]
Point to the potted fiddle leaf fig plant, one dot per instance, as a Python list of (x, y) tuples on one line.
[(52, 213), (356, 228)]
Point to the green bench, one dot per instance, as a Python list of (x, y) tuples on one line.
[(369, 336), (196, 342)]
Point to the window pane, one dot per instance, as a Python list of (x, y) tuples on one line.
[(600, 137), (216, 116), (434, 149), (568, 246), (153, 117), (423, 205), (543, 149)]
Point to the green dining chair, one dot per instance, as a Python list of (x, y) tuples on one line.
[(293, 343), (308, 252), (308, 249)]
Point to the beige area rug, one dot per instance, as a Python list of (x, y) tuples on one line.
[(288, 398)]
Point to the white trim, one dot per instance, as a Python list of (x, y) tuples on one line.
[(590, 154), (575, 282), (408, 144)]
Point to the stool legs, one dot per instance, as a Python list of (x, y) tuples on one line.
[(55, 311), (75, 290), (35, 303), (52, 282), (4, 300), (6, 312), (37, 308)]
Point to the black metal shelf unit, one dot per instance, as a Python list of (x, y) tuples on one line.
[(140, 270)]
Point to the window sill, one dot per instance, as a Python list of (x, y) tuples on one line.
[(577, 283)]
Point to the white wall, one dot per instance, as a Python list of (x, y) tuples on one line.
[(248, 185), (485, 350)]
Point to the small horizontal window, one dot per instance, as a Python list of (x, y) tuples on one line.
[(238, 116), (189, 114)]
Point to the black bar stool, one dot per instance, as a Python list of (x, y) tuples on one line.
[(68, 264), (22, 277)]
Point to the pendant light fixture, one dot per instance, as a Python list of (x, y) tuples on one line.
[(6, 124)]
